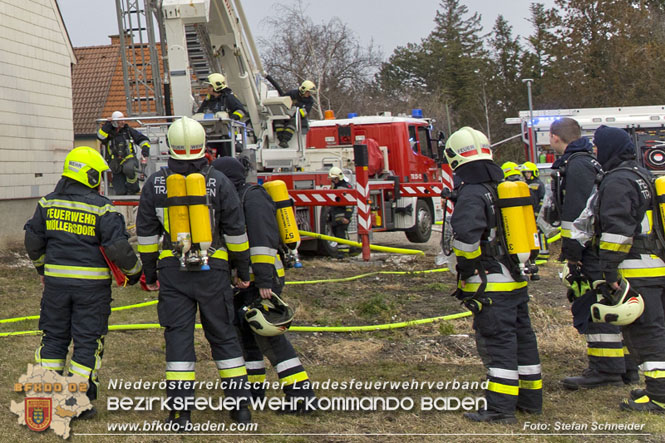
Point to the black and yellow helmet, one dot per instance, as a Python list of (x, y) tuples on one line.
[(85, 165), (269, 317)]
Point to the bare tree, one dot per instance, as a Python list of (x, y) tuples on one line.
[(329, 54)]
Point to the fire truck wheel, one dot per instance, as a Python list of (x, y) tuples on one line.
[(422, 230)]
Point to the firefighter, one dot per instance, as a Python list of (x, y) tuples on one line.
[(573, 179), (340, 215), (530, 173), (183, 288), (490, 286), (628, 244), (221, 98), (267, 278), (511, 172), (302, 103), (63, 240), (120, 143)]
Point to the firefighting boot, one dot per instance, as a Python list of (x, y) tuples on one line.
[(180, 418), (631, 377), (637, 393), (642, 404), (486, 416), (241, 414), (591, 378)]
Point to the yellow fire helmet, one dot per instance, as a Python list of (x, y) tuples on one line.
[(510, 169), (217, 81), (85, 165), (530, 167), (467, 145), (307, 86), (187, 139)]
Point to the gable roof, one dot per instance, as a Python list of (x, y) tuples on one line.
[(91, 83), (98, 83)]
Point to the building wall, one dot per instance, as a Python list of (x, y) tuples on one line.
[(36, 128)]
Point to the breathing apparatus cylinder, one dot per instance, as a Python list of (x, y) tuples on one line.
[(178, 214), (199, 216), (513, 216), (531, 228), (286, 219)]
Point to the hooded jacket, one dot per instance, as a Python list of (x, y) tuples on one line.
[(577, 169), (623, 219), (267, 270)]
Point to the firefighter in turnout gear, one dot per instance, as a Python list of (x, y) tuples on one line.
[(267, 278), (530, 173), (630, 247), (573, 180), (302, 102), (221, 98), (121, 144), (183, 286), (63, 240), (340, 215), (489, 285)]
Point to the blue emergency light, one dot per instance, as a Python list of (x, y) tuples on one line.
[(417, 113), (352, 114)]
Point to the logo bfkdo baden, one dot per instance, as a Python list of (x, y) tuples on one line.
[(38, 413)]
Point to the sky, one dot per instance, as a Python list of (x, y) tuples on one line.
[(388, 23)]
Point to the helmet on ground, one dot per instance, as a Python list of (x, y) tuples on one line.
[(620, 307), (269, 317), (336, 172), (530, 167), (217, 81), (510, 169), (307, 86), (85, 165), (467, 145), (187, 139)]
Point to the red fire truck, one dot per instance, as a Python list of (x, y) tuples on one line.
[(404, 183)]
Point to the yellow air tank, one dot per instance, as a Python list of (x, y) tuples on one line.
[(514, 223), (286, 219), (660, 192), (530, 222), (199, 216), (178, 214)]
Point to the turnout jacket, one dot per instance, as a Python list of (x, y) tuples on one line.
[(624, 214), (64, 235), (226, 101), (121, 142), (476, 242), (229, 238), (577, 174), (300, 101), (264, 240)]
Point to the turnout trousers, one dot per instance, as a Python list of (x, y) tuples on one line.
[(605, 347), (74, 314), (509, 350), (278, 349), (181, 292), (645, 339)]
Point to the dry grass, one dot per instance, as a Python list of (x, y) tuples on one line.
[(430, 352)]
